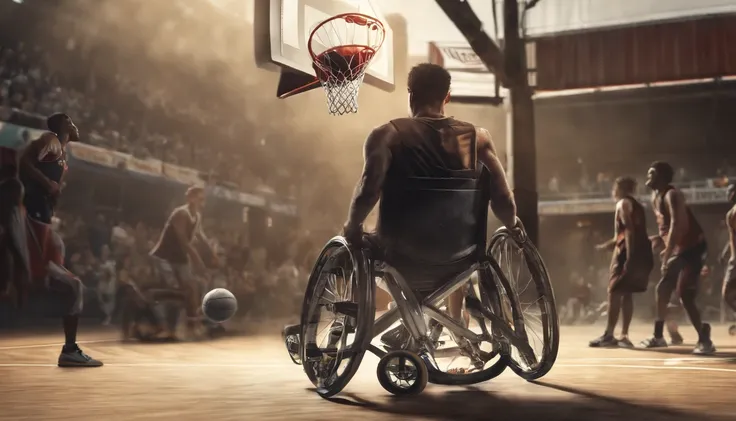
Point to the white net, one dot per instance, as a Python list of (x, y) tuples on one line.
[(342, 96), (342, 48)]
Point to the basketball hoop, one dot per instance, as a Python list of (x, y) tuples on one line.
[(342, 48)]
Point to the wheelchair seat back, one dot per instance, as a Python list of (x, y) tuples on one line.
[(433, 221)]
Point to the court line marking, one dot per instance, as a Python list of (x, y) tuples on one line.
[(257, 366), (159, 365), (100, 341), (649, 367)]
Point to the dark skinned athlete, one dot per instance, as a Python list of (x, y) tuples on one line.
[(682, 259)]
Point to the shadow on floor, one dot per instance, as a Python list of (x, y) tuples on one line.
[(473, 404)]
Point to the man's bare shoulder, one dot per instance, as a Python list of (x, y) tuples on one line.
[(45, 140), (381, 136), (674, 196), (179, 212), (731, 217), (625, 204), (484, 139)]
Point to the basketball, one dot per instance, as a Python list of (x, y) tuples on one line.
[(219, 305)]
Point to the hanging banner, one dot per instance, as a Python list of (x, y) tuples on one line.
[(182, 174), (144, 166), (92, 154)]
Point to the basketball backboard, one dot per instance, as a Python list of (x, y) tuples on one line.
[(283, 40)]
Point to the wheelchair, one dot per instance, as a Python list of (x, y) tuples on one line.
[(343, 286)]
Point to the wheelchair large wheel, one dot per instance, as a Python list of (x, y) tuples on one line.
[(341, 288), (529, 304)]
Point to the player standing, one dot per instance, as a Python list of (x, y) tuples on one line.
[(14, 265), (683, 256), (177, 255), (43, 166), (729, 281), (631, 264)]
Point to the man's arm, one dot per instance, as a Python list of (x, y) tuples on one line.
[(731, 224), (610, 244), (377, 157), (625, 211), (199, 234), (179, 222), (675, 203), (502, 200), (31, 155)]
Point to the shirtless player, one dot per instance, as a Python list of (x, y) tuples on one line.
[(177, 254), (429, 144), (683, 256), (729, 281), (631, 263)]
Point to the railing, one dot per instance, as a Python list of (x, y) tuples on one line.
[(710, 183)]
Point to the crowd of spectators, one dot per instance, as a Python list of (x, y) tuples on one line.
[(581, 183), (107, 253), (30, 84)]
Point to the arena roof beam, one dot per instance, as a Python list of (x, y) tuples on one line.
[(510, 68), (462, 15)]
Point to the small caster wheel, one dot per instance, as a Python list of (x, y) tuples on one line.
[(402, 373), (293, 344), (732, 330)]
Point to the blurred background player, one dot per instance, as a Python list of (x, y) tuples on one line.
[(631, 264), (14, 265), (43, 166), (683, 257), (729, 280), (178, 257)]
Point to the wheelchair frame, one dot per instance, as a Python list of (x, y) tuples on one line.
[(411, 312)]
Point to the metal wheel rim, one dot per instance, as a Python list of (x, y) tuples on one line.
[(329, 284), (538, 325)]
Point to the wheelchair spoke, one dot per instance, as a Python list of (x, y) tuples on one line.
[(527, 299)]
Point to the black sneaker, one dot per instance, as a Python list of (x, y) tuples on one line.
[(705, 345), (704, 348), (605, 341), (75, 357)]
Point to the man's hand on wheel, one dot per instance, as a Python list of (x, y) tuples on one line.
[(517, 232), (353, 233)]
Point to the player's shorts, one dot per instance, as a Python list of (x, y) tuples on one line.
[(683, 269), (39, 208), (634, 280), (175, 274), (44, 246)]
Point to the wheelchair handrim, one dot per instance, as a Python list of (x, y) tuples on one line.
[(363, 295), (546, 302)]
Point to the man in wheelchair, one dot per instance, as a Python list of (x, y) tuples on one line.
[(435, 177), (429, 234)]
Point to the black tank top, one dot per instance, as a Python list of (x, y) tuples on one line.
[(641, 248), (425, 146), (168, 247), (639, 222), (694, 234), (430, 202), (52, 166)]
